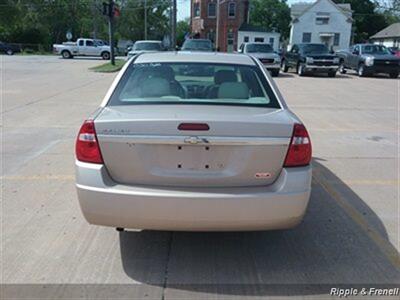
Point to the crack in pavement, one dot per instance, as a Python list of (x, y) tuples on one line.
[(170, 241)]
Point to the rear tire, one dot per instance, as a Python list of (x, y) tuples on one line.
[(284, 67), (300, 69), (275, 73), (394, 75), (66, 54), (105, 55)]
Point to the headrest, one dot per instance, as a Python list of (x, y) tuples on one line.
[(233, 90), (224, 76), (155, 87)]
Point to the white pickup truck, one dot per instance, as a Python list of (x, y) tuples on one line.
[(83, 47)]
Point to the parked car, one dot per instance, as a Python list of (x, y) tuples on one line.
[(145, 46), (310, 59), (395, 51), (369, 59), (265, 53), (197, 45), (9, 49), (215, 150), (83, 47)]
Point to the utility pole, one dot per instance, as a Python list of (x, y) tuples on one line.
[(217, 28), (173, 24), (145, 19), (111, 29)]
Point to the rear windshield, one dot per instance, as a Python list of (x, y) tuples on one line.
[(375, 49), (197, 45), (193, 83), (147, 46), (259, 48)]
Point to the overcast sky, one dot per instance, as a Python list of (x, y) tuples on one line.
[(184, 7)]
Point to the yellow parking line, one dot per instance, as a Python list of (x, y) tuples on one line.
[(385, 246), (38, 177)]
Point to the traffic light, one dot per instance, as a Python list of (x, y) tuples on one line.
[(106, 9), (111, 9)]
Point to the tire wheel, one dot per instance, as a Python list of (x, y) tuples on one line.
[(66, 54), (284, 67), (105, 55), (300, 69), (332, 74), (342, 69), (275, 73), (9, 52), (361, 70), (394, 75)]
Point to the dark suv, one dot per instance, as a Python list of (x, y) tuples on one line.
[(369, 59), (310, 59), (9, 48)]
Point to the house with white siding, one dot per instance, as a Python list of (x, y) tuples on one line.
[(389, 36), (321, 22), (249, 33)]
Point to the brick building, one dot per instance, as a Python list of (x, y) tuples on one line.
[(232, 14)]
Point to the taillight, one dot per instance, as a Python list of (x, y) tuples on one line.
[(299, 153), (87, 147)]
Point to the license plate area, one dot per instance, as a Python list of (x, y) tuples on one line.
[(197, 157)]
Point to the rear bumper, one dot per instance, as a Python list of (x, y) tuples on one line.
[(278, 206)]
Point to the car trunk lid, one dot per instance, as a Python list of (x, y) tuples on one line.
[(244, 146)]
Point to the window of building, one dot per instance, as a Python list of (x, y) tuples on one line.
[(231, 9), (212, 10), (246, 39), (259, 40), (196, 9), (271, 41), (322, 20), (336, 39), (306, 37)]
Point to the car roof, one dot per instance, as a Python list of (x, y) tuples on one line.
[(195, 57), (199, 40), (306, 44), (259, 43), (147, 41)]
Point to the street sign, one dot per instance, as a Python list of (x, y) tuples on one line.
[(69, 35)]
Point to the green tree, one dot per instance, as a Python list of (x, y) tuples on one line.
[(368, 20), (271, 14), (130, 25), (182, 27)]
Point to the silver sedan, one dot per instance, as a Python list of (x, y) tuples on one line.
[(193, 142)]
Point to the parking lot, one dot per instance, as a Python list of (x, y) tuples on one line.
[(350, 235)]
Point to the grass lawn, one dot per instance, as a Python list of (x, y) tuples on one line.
[(108, 67)]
